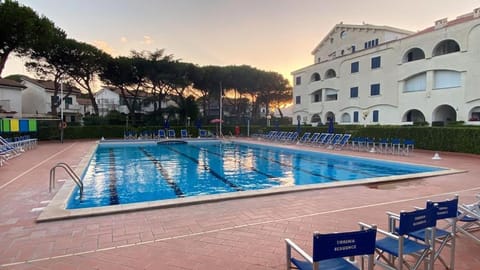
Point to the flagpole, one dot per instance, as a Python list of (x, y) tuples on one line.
[(221, 110)]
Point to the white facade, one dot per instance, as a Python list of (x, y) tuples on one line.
[(37, 100), (108, 100), (365, 74), (10, 99)]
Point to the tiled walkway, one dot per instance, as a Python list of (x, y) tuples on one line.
[(235, 234)]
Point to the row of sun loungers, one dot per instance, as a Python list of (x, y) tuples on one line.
[(383, 146), (162, 134), (329, 140), (421, 237), (338, 141), (14, 147)]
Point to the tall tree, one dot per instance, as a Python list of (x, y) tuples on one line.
[(53, 61), (86, 63), (129, 74), (22, 30)]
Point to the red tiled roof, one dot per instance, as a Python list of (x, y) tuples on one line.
[(458, 20)]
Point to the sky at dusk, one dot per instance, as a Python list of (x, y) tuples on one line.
[(272, 35)]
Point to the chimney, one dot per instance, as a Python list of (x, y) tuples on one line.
[(441, 23), (476, 13)]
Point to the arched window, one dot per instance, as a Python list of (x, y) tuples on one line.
[(416, 83), (315, 77), (413, 55), (446, 47), (346, 118), (330, 74)]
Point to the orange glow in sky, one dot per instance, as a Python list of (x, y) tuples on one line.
[(272, 35)]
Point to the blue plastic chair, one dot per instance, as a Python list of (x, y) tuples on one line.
[(171, 133), (329, 250)]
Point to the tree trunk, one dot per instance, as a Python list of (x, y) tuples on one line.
[(3, 61)]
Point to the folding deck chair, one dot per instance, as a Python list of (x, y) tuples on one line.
[(329, 250), (171, 133), (446, 211), (396, 244), (469, 218)]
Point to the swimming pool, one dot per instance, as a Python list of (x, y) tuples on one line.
[(122, 173)]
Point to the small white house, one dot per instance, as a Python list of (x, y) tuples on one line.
[(10, 98), (38, 96)]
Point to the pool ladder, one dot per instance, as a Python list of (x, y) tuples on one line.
[(70, 172)]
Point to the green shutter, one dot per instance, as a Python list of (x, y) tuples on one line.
[(32, 125), (6, 125)]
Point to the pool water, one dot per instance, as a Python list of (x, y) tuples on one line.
[(130, 173)]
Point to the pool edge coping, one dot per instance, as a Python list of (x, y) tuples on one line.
[(56, 209)]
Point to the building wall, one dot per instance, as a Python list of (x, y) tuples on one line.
[(394, 104), (107, 100), (35, 100), (11, 100)]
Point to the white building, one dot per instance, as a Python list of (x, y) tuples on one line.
[(10, 98), (38, 96), (367, 74), (111, 99)]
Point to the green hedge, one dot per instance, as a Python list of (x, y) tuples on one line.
[(452, 139)]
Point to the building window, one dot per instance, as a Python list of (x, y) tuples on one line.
[(447, 79), (375, 116), (353, 48), (298, 100), (331, 94), (317, 98), (68, 100), (416, 83), (376, 61), (315, 77), (354, 92), (375, 89), (355, 117), (298, 80), (354, 67)]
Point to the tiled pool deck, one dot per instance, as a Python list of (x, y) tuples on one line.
[(244, 233)]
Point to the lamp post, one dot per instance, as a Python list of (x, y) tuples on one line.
[(269, 117), (188, 121), (61, 112)]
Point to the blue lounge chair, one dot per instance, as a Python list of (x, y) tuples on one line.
[(161, 134), (203, 133), (184, 134), (342, 142), (314, 138), (305, 137), (171, 133), (322, 140), (329, 250), (336, 138)]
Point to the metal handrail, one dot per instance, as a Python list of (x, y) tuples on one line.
[(70, 172)]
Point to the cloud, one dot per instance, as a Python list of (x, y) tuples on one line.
[(123, 39), (147, 40), (104, 46)]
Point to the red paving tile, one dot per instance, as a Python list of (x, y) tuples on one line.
[(235, 234)]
